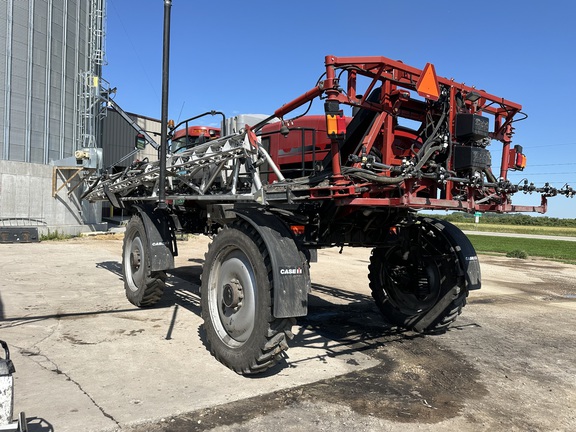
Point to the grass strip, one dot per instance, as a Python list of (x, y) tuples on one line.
[(519, 229), (552, 249)]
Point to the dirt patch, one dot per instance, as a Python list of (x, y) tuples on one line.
[(100, 236), (431, 388)]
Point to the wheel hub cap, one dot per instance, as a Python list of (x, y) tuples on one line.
[(135, 259), (232, 294)]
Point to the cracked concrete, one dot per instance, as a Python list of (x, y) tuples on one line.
[(87, 360), (46, 363)]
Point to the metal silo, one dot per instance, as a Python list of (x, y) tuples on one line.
[(51, 55)]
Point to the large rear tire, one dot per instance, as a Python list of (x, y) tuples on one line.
[(143, 287), (417, 279), (236, 299)]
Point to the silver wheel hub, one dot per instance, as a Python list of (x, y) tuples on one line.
[(134, 264), (232, 297), (232, 294), (135, 258)]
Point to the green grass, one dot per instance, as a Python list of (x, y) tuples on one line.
[(54, 235), (558, 250), (517, 253), (520, 229)]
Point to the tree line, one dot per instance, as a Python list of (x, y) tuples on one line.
[(508, 219)]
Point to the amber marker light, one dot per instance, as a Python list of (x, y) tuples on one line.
[(297, 229)]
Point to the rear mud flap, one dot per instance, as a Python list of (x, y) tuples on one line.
[(160, 233), (467, 258), (290, 269)]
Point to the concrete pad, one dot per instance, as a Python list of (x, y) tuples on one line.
[(86, 359), (563, 305)]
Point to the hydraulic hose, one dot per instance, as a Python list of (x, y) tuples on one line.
[(369, 175), (432, 138)]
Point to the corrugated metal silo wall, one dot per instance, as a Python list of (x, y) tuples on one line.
[(42, 50)]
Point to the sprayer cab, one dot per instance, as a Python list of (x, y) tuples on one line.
[(192, 136)]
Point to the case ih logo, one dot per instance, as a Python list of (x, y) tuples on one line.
[(290, 270)]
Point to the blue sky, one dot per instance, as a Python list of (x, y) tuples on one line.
[(254, 56)]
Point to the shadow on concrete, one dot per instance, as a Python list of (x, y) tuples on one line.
[(183, 288), (182, 285), (37, 424), (13, 322), (74, 211), (112, 266), (349, 324), (338, 323)]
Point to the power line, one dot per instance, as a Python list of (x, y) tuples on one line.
[(554, 164), (549, 145), (143, 69)]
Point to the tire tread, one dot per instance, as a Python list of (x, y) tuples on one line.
[(278, 331), (155, 284), (438, 326)]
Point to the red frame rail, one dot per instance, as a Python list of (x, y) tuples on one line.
[(397, 81)]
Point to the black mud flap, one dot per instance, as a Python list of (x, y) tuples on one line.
[(290, 269), (161, 236), (468, 266), (467, 258)]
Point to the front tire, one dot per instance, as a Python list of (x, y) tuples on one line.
[(236, 299), (143, 287), (416, 275)]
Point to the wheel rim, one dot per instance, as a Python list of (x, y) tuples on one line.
[(232, 297), (411, 286), (134, 263)]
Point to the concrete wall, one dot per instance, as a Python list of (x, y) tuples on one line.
[(26, 200)]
